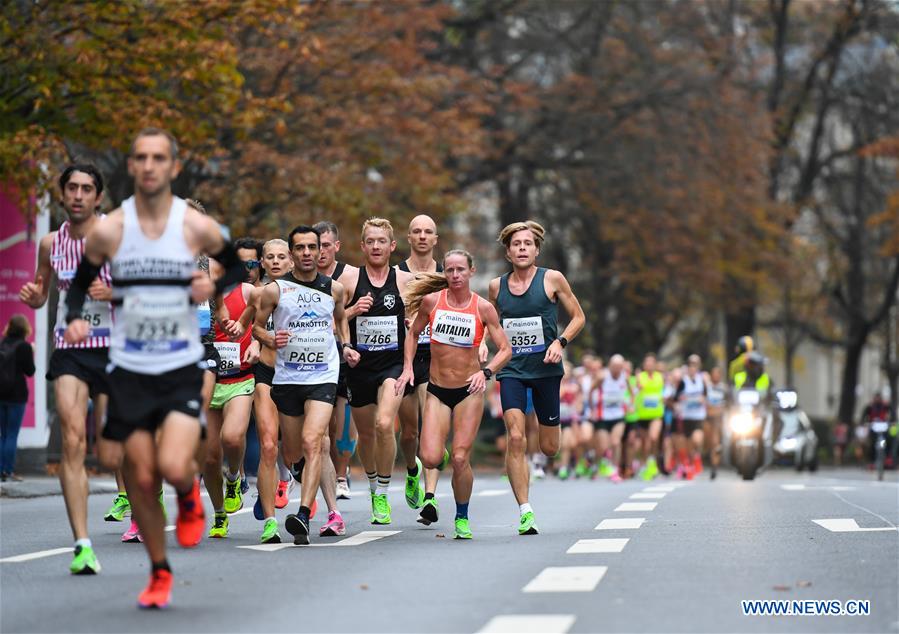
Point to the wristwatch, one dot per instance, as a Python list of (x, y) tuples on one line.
[(563, 341), (487, 373), (345, 345)]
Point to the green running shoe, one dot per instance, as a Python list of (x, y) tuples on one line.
[(526, 525), (415, 490), (270, 532), (428, 514), (219, 526), (233, 497), (651, 470), (85, 561), (605, 468), (446, 460), (119, 509), (563, 473), (582, 468), (380, 509), (463, 530)]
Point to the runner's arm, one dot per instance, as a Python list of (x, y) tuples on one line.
[(268, 300), (34, 294), (96, 252), (491, 320)]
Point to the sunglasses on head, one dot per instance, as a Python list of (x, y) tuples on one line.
[(251, 264)]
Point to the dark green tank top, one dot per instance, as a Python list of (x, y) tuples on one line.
[(530, 323)]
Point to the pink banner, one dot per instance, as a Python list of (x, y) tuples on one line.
[(18, 254)]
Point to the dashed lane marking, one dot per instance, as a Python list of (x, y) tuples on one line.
[(647, 496), (356, 540), (636, 506), (620, 523), (566, 579), (38, 555), (588, 546), (848, 525), (529, 624)]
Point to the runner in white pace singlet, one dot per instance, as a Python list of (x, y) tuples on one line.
[(155, 379), (306, 308), (78, 370), (614, 394), (690, 395)]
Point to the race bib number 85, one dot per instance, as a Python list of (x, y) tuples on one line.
[(525, 334)]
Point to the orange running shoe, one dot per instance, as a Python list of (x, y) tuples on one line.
[(191, 523), (281, 494), (697, 464), (158, 592)]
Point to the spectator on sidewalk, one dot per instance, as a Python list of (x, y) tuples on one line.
[(16, 362)]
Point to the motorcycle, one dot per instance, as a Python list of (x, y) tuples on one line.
[(748, 430), (797, 443)]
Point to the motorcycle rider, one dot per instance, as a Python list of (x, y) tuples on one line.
[(879, 410), (745, 345)]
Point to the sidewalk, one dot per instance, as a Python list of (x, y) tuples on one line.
[(40, 486)]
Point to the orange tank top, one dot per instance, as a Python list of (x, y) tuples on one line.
[(460, 327)]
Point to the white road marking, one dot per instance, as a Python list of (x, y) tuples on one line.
[(169, 528), (566, 579), (620, 523), (529, 624), (647, 496), (636, 506), (848, 525), (356, 540), (38, 555), (487, 493), (586, 546), (660, 489), (805, 487)]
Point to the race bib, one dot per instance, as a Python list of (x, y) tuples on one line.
[(694, 404), (159, 322), (424, 337), (307, 352), (454, 329), (374, 334), (204, 318), (716, 397), (525, 334), (95, 313), (229, 353)]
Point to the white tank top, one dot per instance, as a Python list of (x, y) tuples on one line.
[(306, 311), (691, 398), (155, 328), (614, 396), (65, 255)]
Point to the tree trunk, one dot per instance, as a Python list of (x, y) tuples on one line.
[(858, 335)]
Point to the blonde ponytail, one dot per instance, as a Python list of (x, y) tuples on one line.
[(424, 284)]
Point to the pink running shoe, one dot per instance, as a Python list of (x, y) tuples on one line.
[(334, 527), (132, 535), (615, 477)]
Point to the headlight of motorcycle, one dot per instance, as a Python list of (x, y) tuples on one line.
[(743, 423)]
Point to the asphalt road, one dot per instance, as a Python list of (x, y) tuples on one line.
[(701, 549)]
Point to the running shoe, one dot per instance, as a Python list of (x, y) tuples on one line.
[(605, 468), (446, 460), (652, 468), (615, 477), (270, 532), (563, 473), (415, 491), (526, 525), (191, 518), (158, 592), (219, 528), (244, 485), (343, 489), (697, 464), (258, 513), (85, 561), (233, 496), (335, 526), (132, 535), (714, 472), (119, 509), (296, 470), (428, 514), (582, 468), (282, 493), (299, 528), (537, 472), (380, 509), (463, 530)]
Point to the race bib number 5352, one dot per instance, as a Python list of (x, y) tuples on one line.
[(525, 334)]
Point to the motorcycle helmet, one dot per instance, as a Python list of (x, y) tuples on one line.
[(745, 344), (755, 358)]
